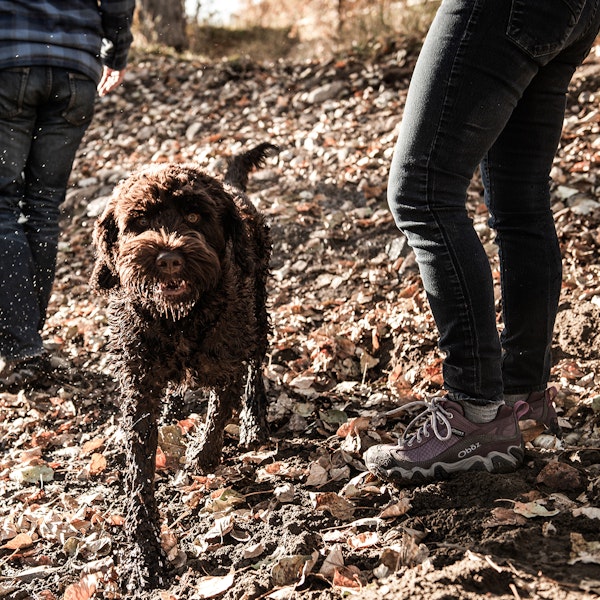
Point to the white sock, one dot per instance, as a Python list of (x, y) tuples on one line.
[(481, 413)]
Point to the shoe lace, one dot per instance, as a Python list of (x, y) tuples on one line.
[(430, 418)]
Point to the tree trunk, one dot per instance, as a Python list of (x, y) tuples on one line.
[(163, 22)]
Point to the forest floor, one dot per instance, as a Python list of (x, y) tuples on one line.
[(352, 338)]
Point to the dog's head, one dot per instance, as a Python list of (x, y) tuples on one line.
[(166, 236)]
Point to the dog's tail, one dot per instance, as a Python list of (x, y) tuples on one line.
[(240, 165)]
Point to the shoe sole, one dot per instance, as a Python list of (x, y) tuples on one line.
[(494, 462)]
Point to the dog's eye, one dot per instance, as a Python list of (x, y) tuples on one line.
[(142, 222), (192, 218)]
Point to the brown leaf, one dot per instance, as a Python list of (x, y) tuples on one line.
[(530, 429), (161, 459), (97, 464), (353, 426), (396, 510), (92, 446), (560, 476), (334, 504), (504, 516), (20, 541), (347, 577), (84, 589)]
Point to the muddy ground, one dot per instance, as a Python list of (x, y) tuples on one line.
[(352, 338)]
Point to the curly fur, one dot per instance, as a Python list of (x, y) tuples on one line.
[(184, 261)]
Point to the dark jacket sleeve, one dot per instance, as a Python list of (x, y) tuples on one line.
[(117, 16)]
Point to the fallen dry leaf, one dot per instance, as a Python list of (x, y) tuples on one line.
[(395, 510), (333, 561), (584, 551), (347, 579), (20, 541), (334, 504), (91, 446), (209, 587), (363, 540), (97, 464), (560, 476), (532, 509), (504, 516), (84, 589), (591, 512)]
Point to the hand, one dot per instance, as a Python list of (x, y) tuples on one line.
[(110, 80)]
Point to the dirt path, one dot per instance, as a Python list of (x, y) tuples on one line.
[(352, 338)]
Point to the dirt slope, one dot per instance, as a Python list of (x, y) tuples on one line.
[(352, 338)]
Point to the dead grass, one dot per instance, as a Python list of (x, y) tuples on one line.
[(365, 33), (257, 43)]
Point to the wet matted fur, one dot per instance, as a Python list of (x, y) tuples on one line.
[(184, 260)]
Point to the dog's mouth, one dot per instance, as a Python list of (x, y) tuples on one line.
[(173, 289)]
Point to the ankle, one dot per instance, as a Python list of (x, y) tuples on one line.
[(512, 399), (481, 413)]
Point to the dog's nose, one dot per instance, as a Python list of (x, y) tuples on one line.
[(169, 262)]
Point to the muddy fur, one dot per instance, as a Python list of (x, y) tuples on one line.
[(184, 260)]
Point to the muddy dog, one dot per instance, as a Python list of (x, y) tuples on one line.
[(184, 261)]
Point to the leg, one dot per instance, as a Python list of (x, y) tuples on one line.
[(469, 79), (253, 418), (204, 454), (43, 116), (479, 91), (140, 412), (516, 175), (60, 126), (253, 421), (19, 310)]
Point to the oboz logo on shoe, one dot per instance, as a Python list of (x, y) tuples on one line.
[(468, 450)]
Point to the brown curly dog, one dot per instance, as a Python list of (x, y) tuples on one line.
[(184, 260)]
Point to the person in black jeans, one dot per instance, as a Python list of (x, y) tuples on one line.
[(489, 90), (53, 59)]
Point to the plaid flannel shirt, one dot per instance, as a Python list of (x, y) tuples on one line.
[(81, 35)]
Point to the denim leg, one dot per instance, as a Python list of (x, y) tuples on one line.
[(469, 79), (44, 113), (515, 173)]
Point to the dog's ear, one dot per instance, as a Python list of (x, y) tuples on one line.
[(104, 276)]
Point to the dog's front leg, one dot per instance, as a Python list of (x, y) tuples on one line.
[(253, 420), (204, 452), (143, 566)]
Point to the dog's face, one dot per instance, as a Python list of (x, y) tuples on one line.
[(166, 235)]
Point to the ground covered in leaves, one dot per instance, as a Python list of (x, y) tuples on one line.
[(353, 338)]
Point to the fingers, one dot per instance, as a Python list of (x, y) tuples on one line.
[(110, 80)]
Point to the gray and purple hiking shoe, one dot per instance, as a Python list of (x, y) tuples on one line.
[(541, 410), (441, 441)]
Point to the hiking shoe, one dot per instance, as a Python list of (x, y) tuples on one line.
[(542, 410), (26, 373), (441, 441)]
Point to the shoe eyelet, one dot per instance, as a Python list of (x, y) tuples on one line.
[(451, 416)]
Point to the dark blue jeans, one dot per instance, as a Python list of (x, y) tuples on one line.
[(489, 89), (44, 113)]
